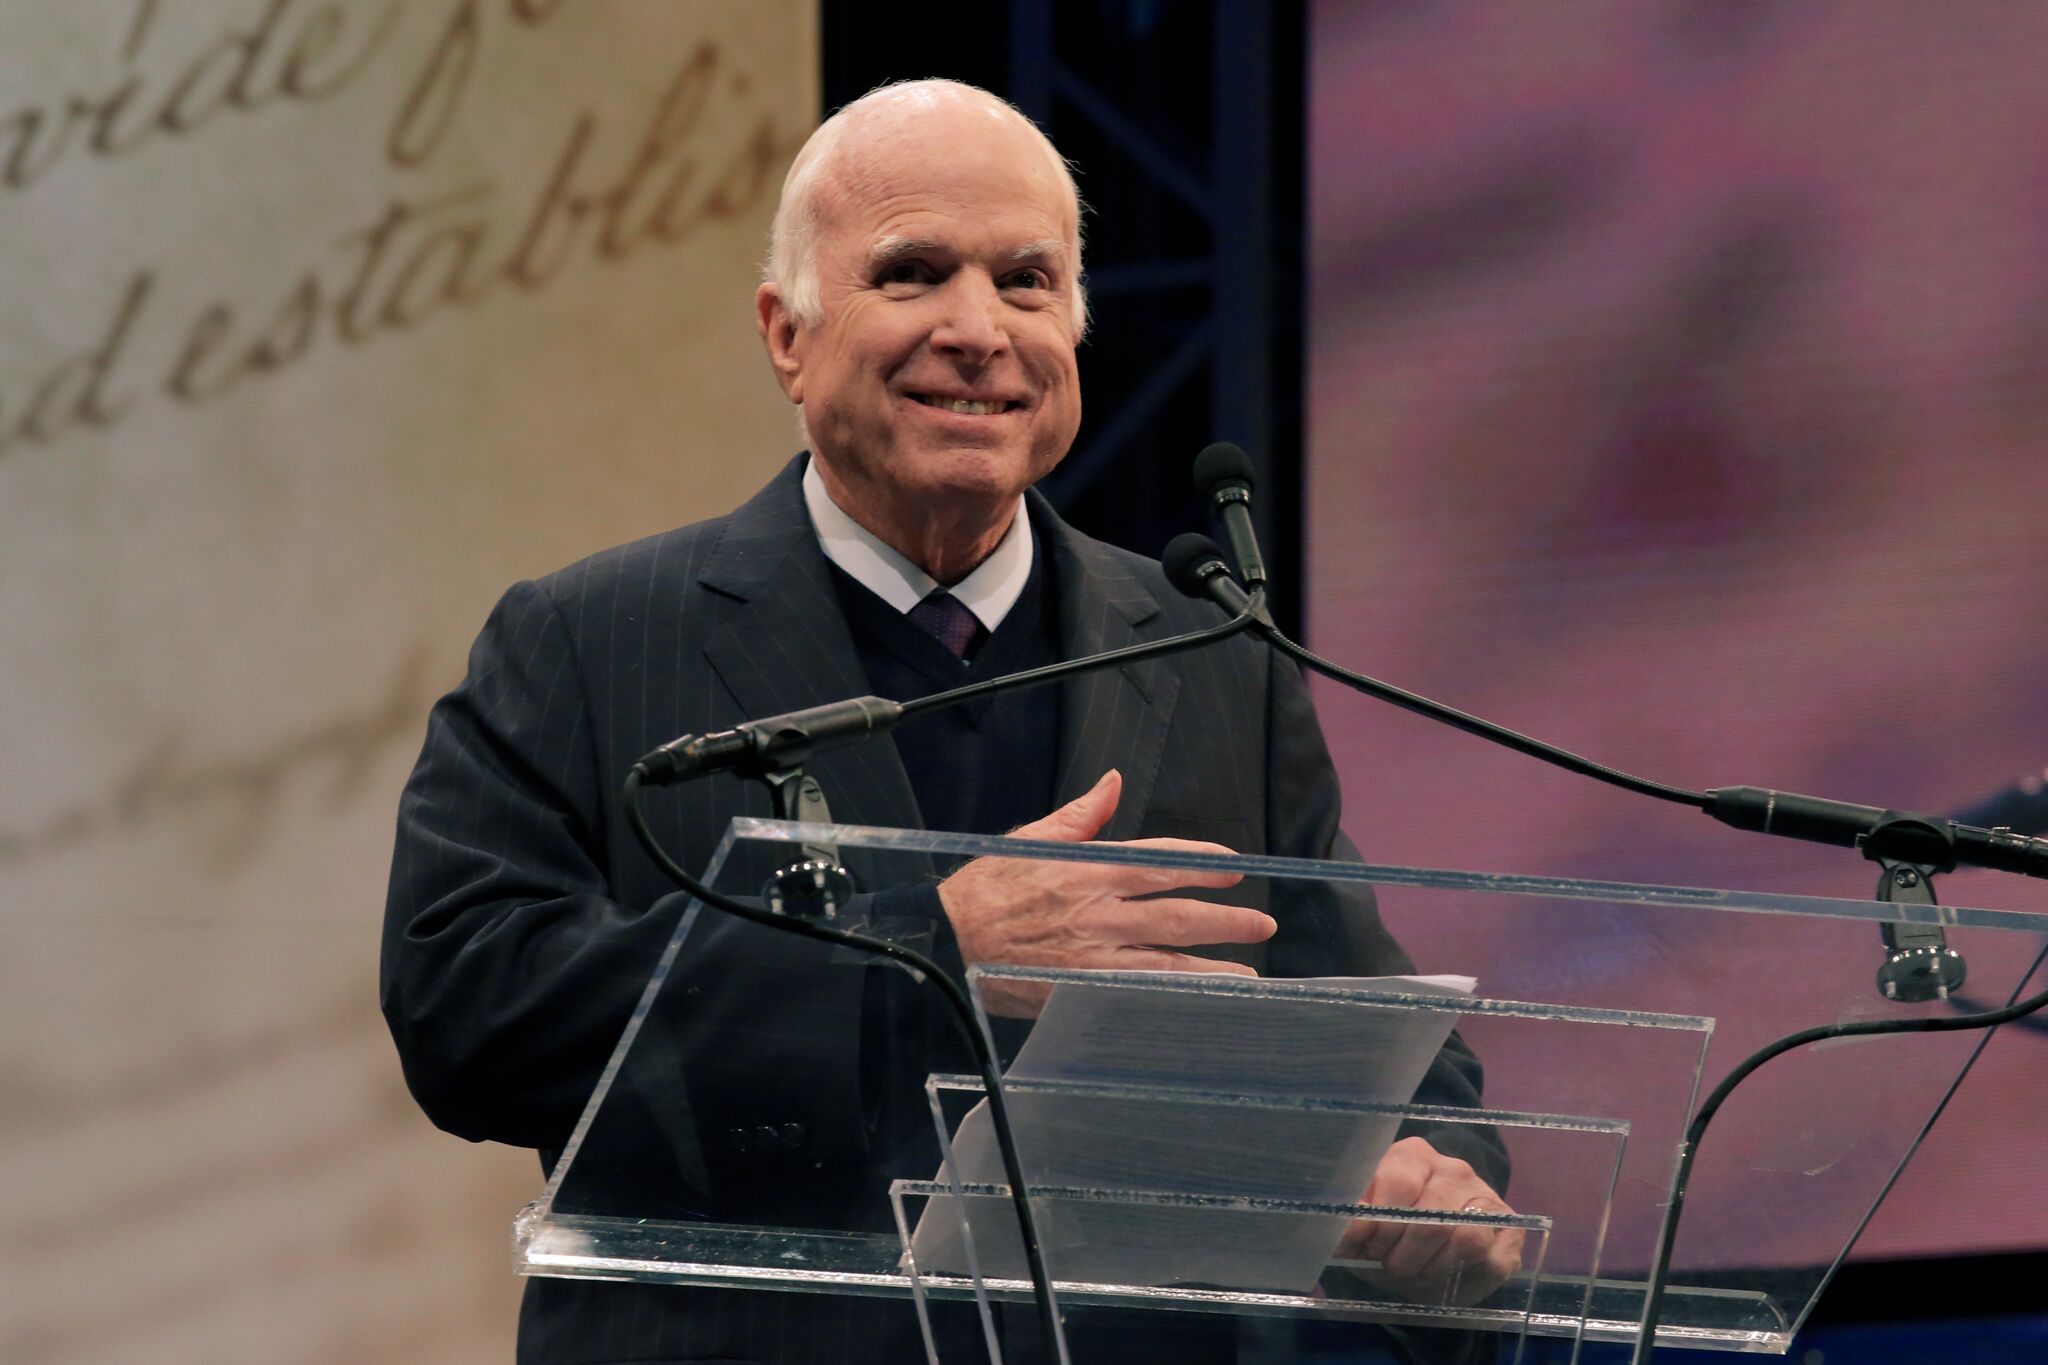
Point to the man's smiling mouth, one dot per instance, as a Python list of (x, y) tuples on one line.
[(977, 407)]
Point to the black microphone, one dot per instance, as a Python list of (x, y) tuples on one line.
[(771, 744), (1927, 840), (1195, 565), (1223, 476)]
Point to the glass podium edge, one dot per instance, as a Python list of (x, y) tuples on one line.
[(1380, 874)]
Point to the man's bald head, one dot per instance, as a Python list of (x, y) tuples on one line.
[(833, 162)]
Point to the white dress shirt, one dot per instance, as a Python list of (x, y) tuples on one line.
[(989, 592)]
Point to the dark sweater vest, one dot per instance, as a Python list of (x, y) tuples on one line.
[(989, 765), (981, 768)]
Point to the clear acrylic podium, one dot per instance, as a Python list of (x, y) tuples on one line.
[(787, 1116)]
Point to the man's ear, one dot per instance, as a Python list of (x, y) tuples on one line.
[(779, 334)]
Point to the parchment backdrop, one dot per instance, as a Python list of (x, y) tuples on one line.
[(1677, 396), (319, 323)]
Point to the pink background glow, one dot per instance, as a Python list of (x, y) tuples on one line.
[(1677, 396)]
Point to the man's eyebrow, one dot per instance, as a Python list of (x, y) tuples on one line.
[(1045, 248), (889, 250)]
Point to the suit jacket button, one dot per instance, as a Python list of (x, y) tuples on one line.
[(766, 1139), (739, 1139), (793, 1136)]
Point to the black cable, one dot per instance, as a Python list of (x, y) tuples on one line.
[(1052, 672), (1668, 1236), (782, 743), (925, 969), (1959, 1001), (1486, 729)]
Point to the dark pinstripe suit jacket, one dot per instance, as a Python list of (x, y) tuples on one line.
[(523, 920)]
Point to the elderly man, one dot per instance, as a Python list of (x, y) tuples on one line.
[(922, 309)]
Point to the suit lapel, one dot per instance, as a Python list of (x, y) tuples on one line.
[(786, 646), (1113, 718)]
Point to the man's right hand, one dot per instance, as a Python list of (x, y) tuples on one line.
[(1028, 912)]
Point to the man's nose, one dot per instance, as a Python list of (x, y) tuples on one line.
[(970, 327)]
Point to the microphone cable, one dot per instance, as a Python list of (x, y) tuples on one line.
[(1667, 1235), (1196, 566), (922, 969)]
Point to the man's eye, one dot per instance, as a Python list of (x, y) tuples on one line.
[(906, 272), (1029, 279)]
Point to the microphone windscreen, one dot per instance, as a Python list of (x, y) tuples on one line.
[(1186, 554), (1221, 463)]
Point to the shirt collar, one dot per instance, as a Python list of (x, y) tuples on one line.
[(989, 592)]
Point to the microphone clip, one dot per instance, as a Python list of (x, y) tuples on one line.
[(817, 886), (1911, 849)]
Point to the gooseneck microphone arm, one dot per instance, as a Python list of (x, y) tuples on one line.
[(1151, 649), (1196, 566), (777, 743), (1486, 729), (1199, 570)]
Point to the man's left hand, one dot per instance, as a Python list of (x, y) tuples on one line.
[(1434, 1263)]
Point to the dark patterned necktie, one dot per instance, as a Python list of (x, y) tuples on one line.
[(948, 621)]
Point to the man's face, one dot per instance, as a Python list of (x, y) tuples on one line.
[(941, 382)]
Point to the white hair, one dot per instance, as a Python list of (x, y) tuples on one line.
[(793, 241)]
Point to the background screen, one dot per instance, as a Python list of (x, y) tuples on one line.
[(1676, 395)]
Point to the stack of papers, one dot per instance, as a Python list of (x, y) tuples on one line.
[(1140, 1097)]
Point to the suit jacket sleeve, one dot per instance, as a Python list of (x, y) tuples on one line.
[(512, 960)]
